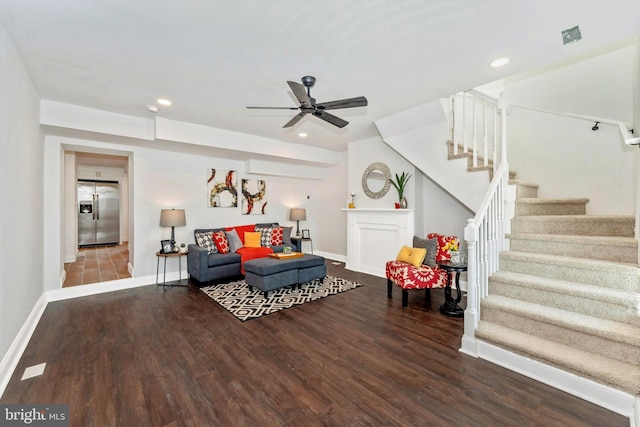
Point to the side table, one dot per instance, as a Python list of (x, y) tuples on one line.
[(450, 306), (302, 241), (166, 286)]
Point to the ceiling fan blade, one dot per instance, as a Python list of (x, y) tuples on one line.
[(300, 93), (295, 120), (272, 108), (330, 118), (359, 101)]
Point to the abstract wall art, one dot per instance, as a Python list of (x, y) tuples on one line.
[(254, 197), (222, 188)]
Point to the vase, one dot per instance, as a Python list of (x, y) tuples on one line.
[(457, 257), (403, 203)]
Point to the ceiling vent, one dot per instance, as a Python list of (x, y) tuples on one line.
[(571, 35)]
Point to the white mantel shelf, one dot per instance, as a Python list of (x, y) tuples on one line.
[(374, 236)]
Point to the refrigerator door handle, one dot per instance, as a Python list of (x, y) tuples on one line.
[(97, 207), (93, 208)]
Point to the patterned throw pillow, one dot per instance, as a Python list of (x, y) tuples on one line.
[(205, 241), (220, 239), (265, 239), (443, 254), (276, 236)]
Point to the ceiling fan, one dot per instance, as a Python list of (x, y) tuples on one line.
[(308, 104)]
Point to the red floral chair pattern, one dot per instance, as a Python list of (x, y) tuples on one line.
[(409, 277)]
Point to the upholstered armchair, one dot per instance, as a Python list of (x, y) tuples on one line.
[(425, 276)]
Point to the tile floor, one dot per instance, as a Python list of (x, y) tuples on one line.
[(98, 264)]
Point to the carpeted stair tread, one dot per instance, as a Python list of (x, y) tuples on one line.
[(577, 239), (539, 201), (569, 289), (607, 248), (521, 182), (586, 225), (605, 303), (623, 276), (602, 369), (611, 330)]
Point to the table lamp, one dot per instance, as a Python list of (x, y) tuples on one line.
[(297, 215), (172, 218)]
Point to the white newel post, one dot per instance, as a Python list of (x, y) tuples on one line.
[(374, 236), (472, 312)]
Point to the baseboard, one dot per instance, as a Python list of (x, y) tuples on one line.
[(130, 269), (63, 277), (614, 400), (19, 344), (103, 287), (329, 255)]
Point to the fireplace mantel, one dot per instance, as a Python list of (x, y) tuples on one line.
[(374, 236)]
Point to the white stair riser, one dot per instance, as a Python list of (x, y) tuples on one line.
[(586, 251), (576, 303), (620, 351)]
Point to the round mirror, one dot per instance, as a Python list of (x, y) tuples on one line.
[(375, 180)]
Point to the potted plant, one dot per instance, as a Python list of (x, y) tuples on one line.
[(400, 184)]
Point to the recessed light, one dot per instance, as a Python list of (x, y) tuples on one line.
[(152, 108), (163, 101), (302, 134), (500, 62)]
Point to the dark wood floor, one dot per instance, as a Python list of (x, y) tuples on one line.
[(147, 358)]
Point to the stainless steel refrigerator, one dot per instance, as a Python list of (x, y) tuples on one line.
[(98, 212)]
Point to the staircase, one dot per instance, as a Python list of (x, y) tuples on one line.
[(567, 292)]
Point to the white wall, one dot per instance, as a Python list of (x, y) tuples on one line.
[(161, 179), (21, 192), (360, 155), (564, 156)]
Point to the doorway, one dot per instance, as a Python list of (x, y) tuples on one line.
[(86, 264)]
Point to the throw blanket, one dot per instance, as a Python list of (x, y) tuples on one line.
[(252, 253)]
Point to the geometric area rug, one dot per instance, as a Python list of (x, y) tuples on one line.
[(236, 297)]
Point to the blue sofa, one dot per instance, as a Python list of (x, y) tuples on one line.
[(205, 267)]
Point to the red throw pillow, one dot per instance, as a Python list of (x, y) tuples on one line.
[(220, 239), (241, 229), (276, 236)]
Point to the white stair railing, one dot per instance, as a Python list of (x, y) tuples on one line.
[(474, 126), (485, 233)]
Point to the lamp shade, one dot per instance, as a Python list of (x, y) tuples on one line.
[(172, 218), (298, 214)]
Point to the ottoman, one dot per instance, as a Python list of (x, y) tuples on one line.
[(268, 274)]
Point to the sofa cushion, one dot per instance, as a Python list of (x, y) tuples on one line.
[(431, 245), (220, 239), (265, 239), (218, 259), (234, 240), (252, 239), (276, 236), (205, 241), (413, 256)]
